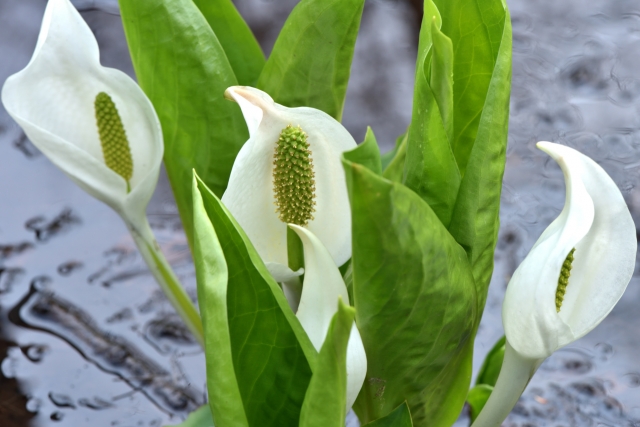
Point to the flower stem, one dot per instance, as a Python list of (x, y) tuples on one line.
[(514, 376), (164, 275)]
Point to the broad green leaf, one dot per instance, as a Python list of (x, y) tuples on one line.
[(184, 71), (450, 387), (430, 166), (415, 301), (477, 398), (476, 30), (441, 76), (311, 59), (394, 171), (201, 417), (475, 221), (387, 157), (400, 417), (326, 398), (235, 36), (270, 349), (212, 276), (367, 153), (492, 364)]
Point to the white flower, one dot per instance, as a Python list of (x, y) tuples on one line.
[(323, 285), (307, 175), (570, 280), (596, 223), (98, 126), (56, 100)]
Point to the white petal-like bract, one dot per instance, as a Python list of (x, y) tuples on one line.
[(538, 320), (250, 192), (52, 99), (597, 223), (323, 286)]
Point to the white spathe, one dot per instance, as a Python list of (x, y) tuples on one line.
[(323, 286), (597, 223), (52, 99), (250, 197)]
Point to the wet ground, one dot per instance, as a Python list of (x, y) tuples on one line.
[(87, 337)]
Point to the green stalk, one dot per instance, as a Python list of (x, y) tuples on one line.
[(161, 270), (515, 374)]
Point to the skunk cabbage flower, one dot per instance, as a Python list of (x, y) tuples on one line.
[(289, 171), (96, 125), (92, 122), (570, 280), (323, 285)]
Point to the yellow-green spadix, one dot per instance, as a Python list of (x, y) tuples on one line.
[(289, 171), (569, 282), (93, 122)]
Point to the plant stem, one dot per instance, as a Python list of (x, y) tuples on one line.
[(161, 270), (514, 376)]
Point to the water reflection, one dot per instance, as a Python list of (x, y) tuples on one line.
[(94, 339)]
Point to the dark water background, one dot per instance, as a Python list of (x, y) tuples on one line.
[(88, 338)]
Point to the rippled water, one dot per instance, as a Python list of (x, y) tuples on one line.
[(88, 336)]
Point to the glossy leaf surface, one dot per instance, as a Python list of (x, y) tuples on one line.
[(415, 302), (270, 349), (477, 398), (475, 220), (225, 401), (367, 153), (239, 44), (430, 167), (325, 401), (476, 30), (492, 364), (311, 59), (394, 169), (184, 71), (400, 417), (387, 157)]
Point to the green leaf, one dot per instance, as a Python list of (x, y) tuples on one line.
[(477, 398), (475, 220), (270, 349), (476, 30), (347, 276), (415, 302), (394, 171), (492, 364), (367, 153), (235, 36), (430, 167), (201, 417), (184, 71), (311, 59), (387, 157), (326, 398), (400, 417), (441, 76), (212, 276), (449, 389)]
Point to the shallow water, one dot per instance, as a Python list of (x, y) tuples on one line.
[(89, 337)]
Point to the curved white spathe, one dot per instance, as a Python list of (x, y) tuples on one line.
[(249, 195), (52, 99), (597, 223), (322, 287)]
